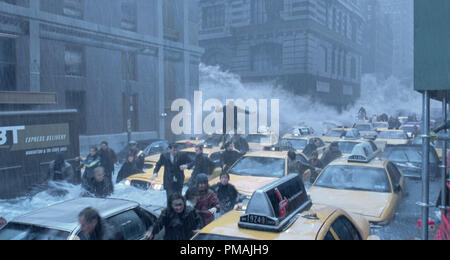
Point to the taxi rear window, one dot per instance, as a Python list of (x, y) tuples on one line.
[(217, 237), (392, 135), (343, 177), (260, 167), (334, 133)]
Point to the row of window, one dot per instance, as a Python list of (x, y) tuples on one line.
[(341, 23), (338, 63), (74, 60), (325, 87)]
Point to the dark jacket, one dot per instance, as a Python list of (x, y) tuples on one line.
[(227, 195), (228, 158), (99, 189), (178, 226), (107, 159), (309, 149), (126, 171), (173, 176), (314, 173), (330, 156), (90, 163), (201, 164), (241, 144), (139, 158), (104, 231), (61, 172), (205, 202)]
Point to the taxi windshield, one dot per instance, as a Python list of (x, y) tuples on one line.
[(259, 166), (335, 133), (297, 144), (347, 147), (15, 231), (392, 135), (408, 154), (344, 177), (258, 138), (381, 125), (364, 127)]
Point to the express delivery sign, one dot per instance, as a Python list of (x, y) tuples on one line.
[(33, 137)]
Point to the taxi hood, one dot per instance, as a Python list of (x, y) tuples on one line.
[(370, 204), (246, 185)]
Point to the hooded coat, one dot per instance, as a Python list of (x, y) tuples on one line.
[(178, 226)]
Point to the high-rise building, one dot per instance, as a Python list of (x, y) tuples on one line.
[(402, 16), (86, 51), (311, 47), (378, 40)]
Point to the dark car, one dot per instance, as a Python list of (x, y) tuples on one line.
[(149, 147), (60, 221), (408, 159)]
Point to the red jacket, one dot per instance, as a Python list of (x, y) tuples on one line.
[(206, 202)]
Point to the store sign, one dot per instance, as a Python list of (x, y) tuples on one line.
[(32, 137)]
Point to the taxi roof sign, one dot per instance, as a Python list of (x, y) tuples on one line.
[(362, 153), (275, 206)]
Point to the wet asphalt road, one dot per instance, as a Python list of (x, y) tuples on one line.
[(404, 225)]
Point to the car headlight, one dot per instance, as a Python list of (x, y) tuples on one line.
[(156, 187), (128, 182)]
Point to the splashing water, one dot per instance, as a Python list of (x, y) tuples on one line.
[(377, 97), (57, 192)]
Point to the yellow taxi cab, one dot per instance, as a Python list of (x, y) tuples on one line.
[(190, 142), (145, 180), (393, 137), (334, 135), (381, 126), (361, 184), (346, 146), (257, 141), (257, 169), (299, 142), (282, 210)]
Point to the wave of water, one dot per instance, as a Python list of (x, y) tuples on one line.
[(388, 96)]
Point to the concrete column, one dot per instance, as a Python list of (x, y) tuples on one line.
[(187, 83), (35, 51), (161, 92)]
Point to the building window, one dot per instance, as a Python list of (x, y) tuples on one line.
[(323, 87), (258, 10), (213, 16), (348, 90), (353, 68), (353, 31), (333, 62), (266, 57), (170, 11), (132, 71), (344, 72), (73, 8), (129, 15), (74, 61), (323, 58), (7, 64)]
